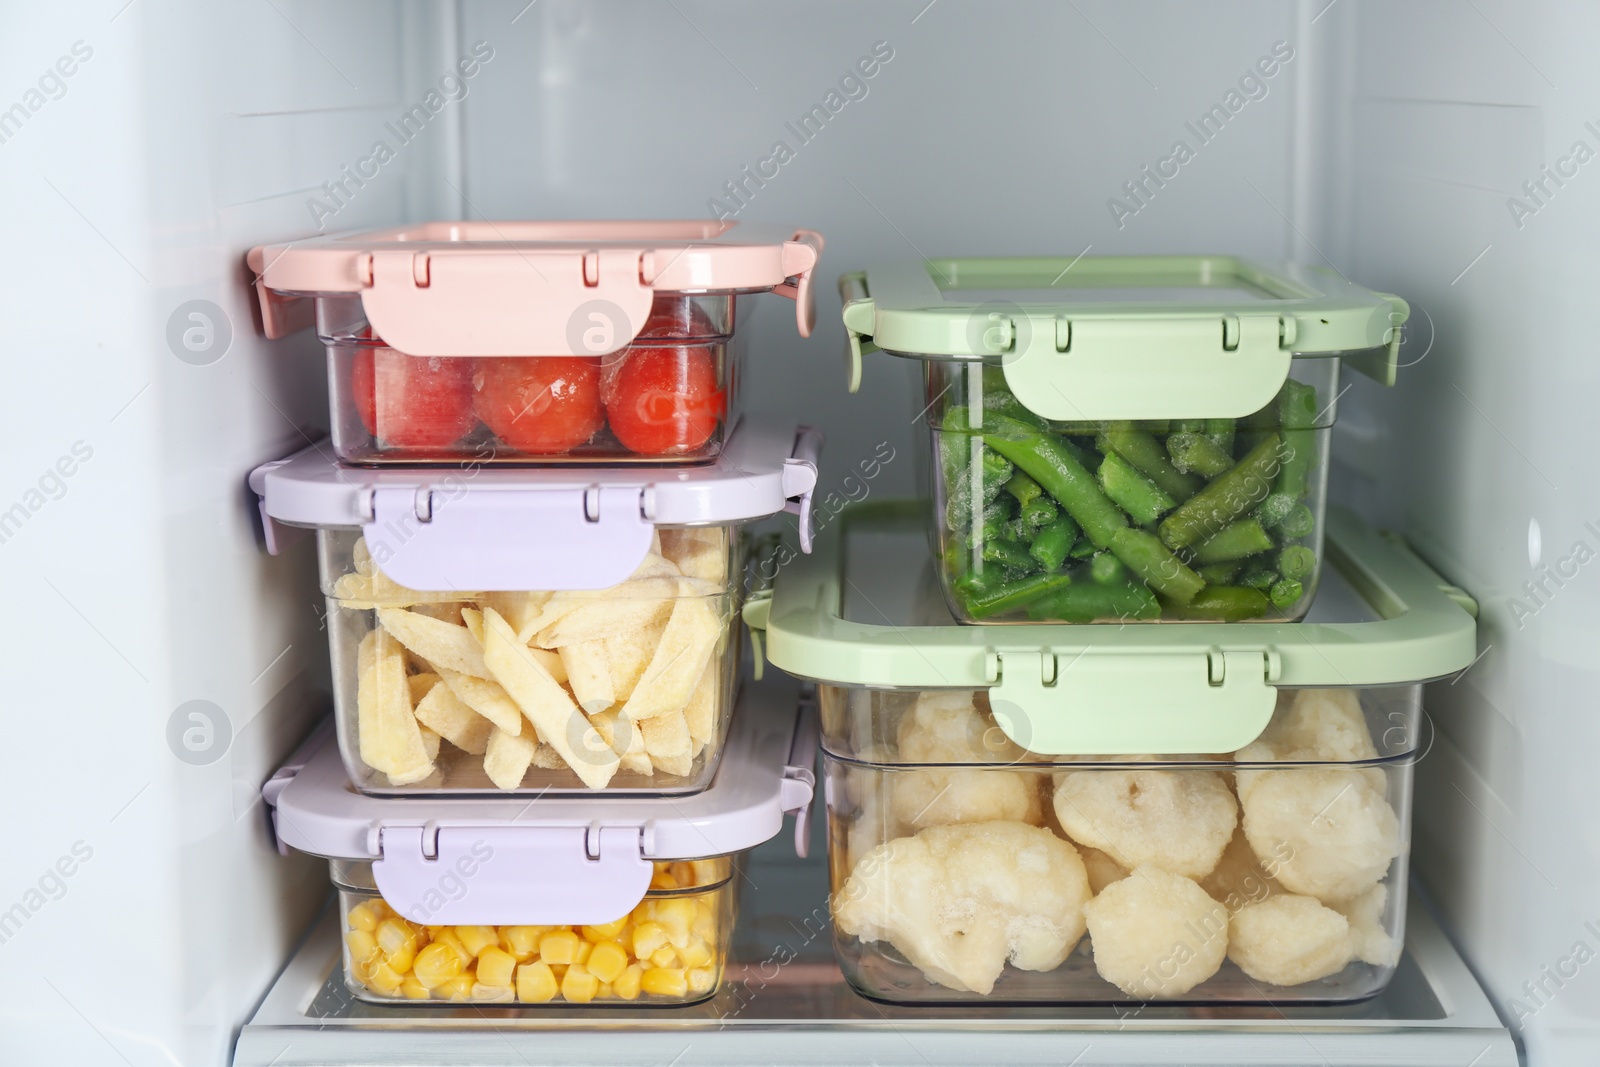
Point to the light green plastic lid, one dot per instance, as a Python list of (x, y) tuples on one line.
[(1103, 689), (1124, 337)]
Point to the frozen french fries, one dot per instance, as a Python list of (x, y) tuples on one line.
[(500, 690)]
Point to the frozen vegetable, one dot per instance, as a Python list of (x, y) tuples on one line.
[(1369, 939), (412, 401), (594, 681), (1156, 934), (663, 400), (962, 901), (948, 728), (1289, 939), (1337, 833), (1172, 501), (543, 406), (1178, 820), (669, 947)]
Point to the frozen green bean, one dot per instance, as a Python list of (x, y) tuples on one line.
[(1258, 577), (1051, 545), (1300, 522), (1296, 561), (1024, 488), (1038, 513), (1241, 539), (1010, 554), (1219, 573), (985, 599), (1063, 477), (1090, 602), (1141, 498), (1145, 453), (1226, 498), (1107, 569), (1298, 412), (1222, 603), (1285, 592), (1153, 562), (1198, 453)]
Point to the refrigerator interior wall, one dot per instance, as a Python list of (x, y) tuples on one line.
[(979, 132), (143, 911), (1431, 118)]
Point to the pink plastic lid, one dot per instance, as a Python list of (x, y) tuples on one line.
[(528, 288)]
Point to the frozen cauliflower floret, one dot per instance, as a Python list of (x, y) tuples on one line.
[(947, 727), (1369, 940), (1156, 934), (1334, 835), (1312, 726), (1177, 820), (1241, 878), (1289, 939), (1101, 868), (961, 901)]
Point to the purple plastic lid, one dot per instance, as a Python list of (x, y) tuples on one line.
[(553, 528), (559, 860)]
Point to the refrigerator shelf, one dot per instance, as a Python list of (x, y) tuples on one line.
[(785, 1000)]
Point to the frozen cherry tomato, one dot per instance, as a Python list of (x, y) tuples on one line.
[(663, 400), (412, 401), (543, 405)]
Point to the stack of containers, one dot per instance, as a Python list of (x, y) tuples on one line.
[(529, 532), (1215, 809)]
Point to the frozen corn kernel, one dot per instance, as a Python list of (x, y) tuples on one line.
[(578, 985), (536, 983), (559, 946), (477, 938), (522, 941), (412, 989), (697, 954), (665, 982), (582, 955), (452, 940), (627, 984), (607, 961), (492, 994), (707, 871), (663, 879), (495, 966), (701, 979), (683, 873), (605, 931), (402, 959), (676, 916), (393, 935), (363, 947), (605, 992), (647, 938), (364, 916), (457, 988), (384, 980), (436, 964)]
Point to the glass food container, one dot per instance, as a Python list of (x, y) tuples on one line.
[(603, 900), (530, 633), (1223, 812), (1126, 439), (532, 342)]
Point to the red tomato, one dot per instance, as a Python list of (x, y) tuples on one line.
[(412, 401), (663, 400), (543, 405)]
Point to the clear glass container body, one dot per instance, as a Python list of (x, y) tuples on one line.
[(646, 670), (669, 397), (1182, 520), (965, 869), (670, 949)]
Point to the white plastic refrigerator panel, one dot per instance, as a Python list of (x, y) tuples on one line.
[(1456, 145), (159, 664)]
